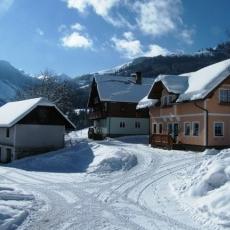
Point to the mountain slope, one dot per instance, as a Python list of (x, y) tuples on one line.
[(11, 81)]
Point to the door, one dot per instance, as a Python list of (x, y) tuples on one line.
[(8, 155)]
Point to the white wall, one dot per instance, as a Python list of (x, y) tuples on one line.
[(39, 136), (111, 126), (6, 140)]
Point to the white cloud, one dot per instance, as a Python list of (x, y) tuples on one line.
[(130, 48), (102, 8), (158, 17), (76, 40), (78, 27), (5, 5), (128, 35), (186, 35), (150, 17), (156, 50), (62, 28), (40, 32)]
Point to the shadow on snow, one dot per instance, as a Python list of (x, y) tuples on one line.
[(75, 159)]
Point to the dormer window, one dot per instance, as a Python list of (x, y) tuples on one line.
[(167, 100), (224, 96)]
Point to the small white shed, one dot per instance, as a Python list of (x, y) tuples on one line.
[(29, 127)]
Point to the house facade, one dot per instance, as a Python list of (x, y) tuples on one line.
[(30, 127), (112, 106), (192, 111)]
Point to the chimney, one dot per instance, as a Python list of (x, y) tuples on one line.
[(137, 77)]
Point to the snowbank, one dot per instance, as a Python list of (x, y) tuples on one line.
[(15, 206), (81, 155), (110, 160), (207, 188)]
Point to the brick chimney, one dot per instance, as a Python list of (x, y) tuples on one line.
[(137, 77)]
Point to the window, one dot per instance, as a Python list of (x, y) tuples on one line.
[(122, 124), (160, 128), (167, 100), (187, 129), (137, 124), (170, 128), (219, 129), (154, 128), (195, 128), (7, 132), (224, 96)]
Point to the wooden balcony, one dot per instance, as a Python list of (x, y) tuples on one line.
[(93, 115), (162, 140)]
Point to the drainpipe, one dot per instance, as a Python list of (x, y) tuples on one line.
[(207, 129), (149, 127)]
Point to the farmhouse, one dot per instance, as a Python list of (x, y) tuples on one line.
[(29, 127), (112, 106), (191, 111)]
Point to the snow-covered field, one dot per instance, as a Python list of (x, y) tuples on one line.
[(112, 184)]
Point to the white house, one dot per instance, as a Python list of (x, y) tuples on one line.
[(112, 106), (29, 127)]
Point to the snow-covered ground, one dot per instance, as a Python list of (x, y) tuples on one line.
[(206, 188), (111, 184)]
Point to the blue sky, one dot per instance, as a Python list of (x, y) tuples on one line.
[(82, 36)]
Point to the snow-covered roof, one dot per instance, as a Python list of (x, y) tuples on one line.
[(122, 89), (203, 81), (196, 85), (173, 83), (146, 103), (12, 112)]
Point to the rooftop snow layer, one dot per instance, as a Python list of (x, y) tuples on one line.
[(146, 103), (173, 83), (12, 112), (122, 89), (196, 85), (203, 81)]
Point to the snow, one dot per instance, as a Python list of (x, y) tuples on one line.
[(174, 84), (12, 112), (14, 207), (122, 89), (195, 85), (110, 184), (206, 188), (146, 103), (203, 81)]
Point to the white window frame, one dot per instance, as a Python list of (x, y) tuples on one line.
[(214, 125), (190, 133), (227, 95), (195, 122)]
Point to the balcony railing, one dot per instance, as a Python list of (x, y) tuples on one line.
[(93, 115), (162, 140)]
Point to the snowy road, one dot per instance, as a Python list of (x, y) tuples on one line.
[(139, 198)]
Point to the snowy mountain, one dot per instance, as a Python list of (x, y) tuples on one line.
[(59, 77), (12, 80), (173, 64)]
